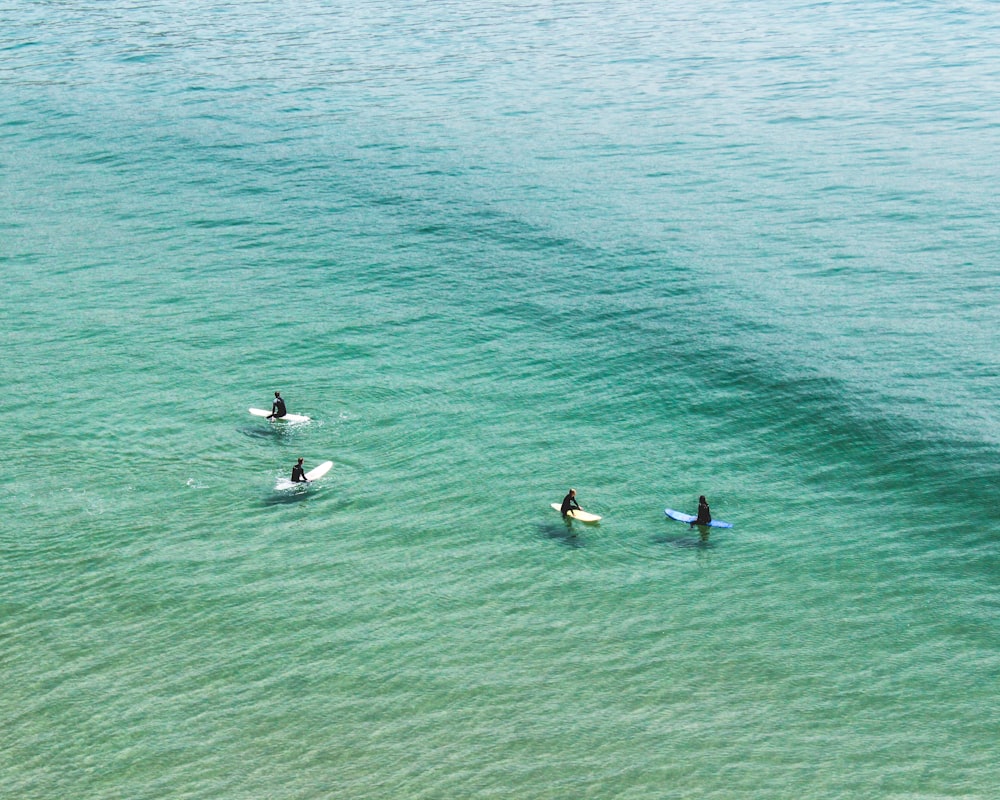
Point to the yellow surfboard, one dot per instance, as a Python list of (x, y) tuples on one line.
[(578, 513)]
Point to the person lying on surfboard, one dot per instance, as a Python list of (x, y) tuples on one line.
[(299, 473), (277, 407), (569, 503), (704, 513)]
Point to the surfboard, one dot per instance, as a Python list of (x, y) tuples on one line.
[(680, 516), (260, 412), (311, 475), (579, 514)]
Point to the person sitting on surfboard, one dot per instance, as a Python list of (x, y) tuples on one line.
[(569, 503), (704, 513), (277, 407), (299, 473)]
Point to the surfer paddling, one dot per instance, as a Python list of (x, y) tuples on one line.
[(277, 407), (299, 473), (569, 503)]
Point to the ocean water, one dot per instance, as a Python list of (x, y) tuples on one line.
[(495, 250)]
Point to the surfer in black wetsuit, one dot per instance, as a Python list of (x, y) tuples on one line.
[(277, 407), (569, 503), (299, 473), (704, 514)]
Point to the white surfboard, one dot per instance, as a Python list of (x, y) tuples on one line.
[(260, 412), (578, 513), (311, 475)]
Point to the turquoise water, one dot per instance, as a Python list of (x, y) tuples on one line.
[(646, 250)]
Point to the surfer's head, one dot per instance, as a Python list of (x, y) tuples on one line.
[(300, 460), (277, 394), (702, 499)]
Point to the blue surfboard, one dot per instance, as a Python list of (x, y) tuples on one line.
[(680, 516)]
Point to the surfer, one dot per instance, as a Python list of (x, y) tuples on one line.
[(277, 407), (299, 473), (569, 503), (704, 513)]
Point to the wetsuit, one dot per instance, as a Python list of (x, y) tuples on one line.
[(298, 474), (568, 503), (704, 514), (278, 408)]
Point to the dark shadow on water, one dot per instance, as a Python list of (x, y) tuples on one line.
[(696, 538), (270, 431), (562, 532), (287, 497)]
